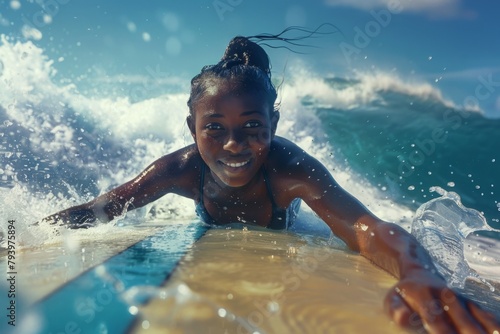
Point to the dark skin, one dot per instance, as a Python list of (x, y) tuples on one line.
[(234, 134)]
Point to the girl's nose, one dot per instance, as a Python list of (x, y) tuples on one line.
[(235, 142)]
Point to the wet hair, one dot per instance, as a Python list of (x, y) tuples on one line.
[(246, 65)]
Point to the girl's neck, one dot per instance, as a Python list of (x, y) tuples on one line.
[(223, 190)]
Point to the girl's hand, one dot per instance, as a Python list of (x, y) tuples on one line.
[(422, 302), (81, 218)]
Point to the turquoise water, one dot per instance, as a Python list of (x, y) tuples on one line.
[(406, 144)]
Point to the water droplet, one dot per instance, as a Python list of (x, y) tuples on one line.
[(221, 312), (430, 58), (183, 289), (391, 232), (273, 307), (146, 37), (47, 19), (478, 187), (411, 188), (451, 184), (15, 5), (493, 160)]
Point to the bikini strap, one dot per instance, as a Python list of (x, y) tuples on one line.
[(268, 187)]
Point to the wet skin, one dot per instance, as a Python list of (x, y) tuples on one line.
[(234, 134)]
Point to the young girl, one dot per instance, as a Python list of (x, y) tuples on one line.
[(238, 170)]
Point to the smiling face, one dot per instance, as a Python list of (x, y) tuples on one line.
[(233, 130)]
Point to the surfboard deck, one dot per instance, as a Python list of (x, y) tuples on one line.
[(233, 280)]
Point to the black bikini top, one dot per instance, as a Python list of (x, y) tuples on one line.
[(281, 218)]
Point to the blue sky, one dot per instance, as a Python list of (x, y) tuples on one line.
[(452, 44)]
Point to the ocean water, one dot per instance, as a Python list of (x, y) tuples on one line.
[(387, 140)]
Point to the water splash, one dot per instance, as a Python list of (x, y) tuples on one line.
[(441, 226), (181, 297)]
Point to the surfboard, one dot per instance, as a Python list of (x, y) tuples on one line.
[(179, 277)]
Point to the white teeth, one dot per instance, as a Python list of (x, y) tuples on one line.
[(237, 164)]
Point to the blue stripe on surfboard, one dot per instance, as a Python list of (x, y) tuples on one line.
[(91, 304)]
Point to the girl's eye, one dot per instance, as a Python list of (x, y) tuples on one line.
[(252, 124), (213, 126)]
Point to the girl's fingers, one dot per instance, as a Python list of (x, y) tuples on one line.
[(441, 312), (400, 312)]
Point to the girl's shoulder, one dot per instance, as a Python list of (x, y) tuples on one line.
[(294, 172), (290, 168), (180, 163), (284, 154), (177, 172), (289, 163)]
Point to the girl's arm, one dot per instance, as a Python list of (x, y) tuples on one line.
[(168, 174), (421, 298)]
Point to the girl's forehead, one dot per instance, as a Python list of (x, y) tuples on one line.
[(219, 86), (234, 101), (238, 100), (232, 93)]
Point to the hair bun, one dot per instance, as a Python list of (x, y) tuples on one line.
[(242, 51)]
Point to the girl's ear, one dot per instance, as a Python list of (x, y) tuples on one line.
[(191, 126), (274, 123)]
